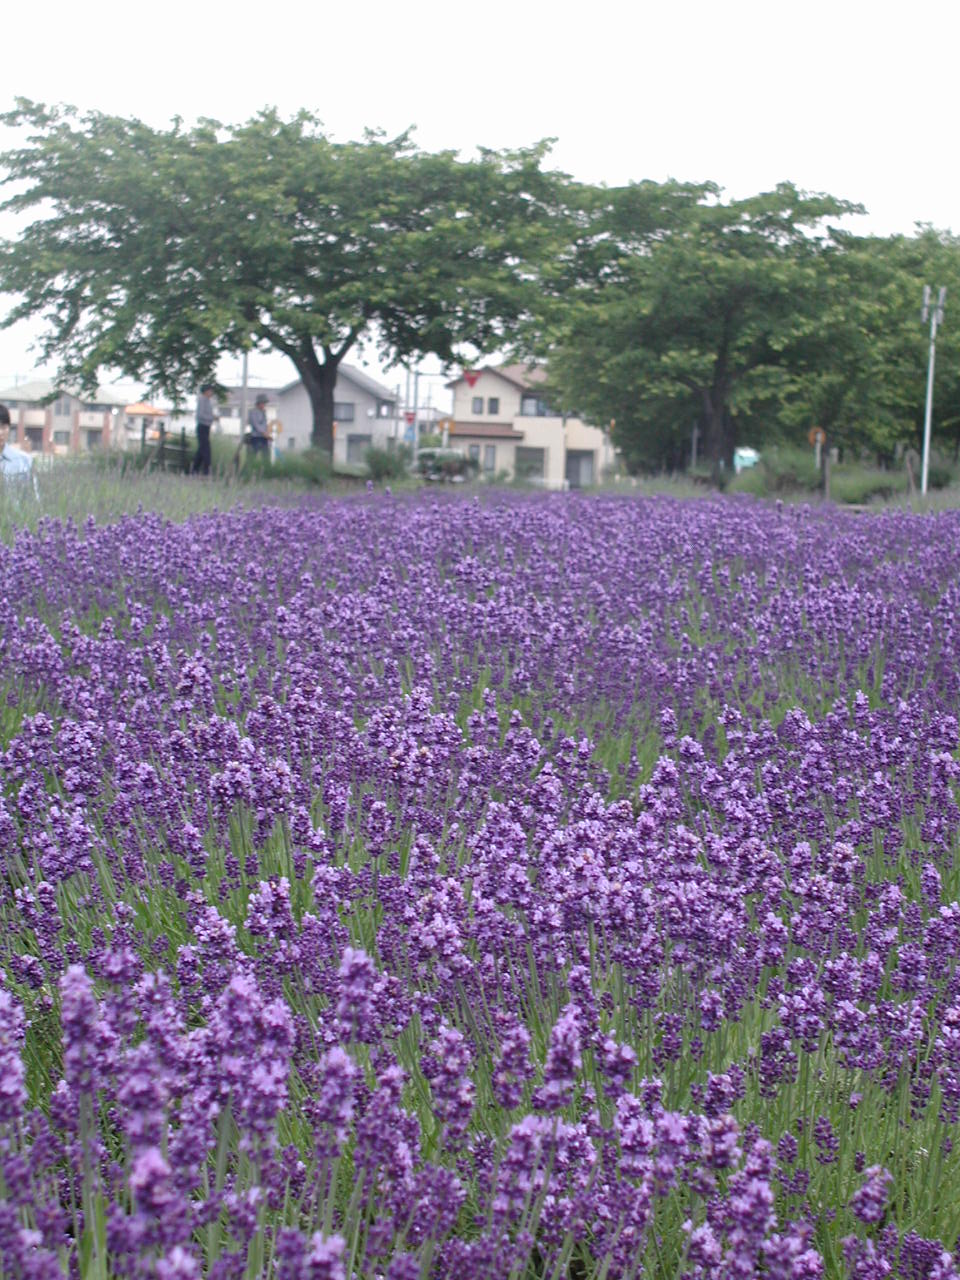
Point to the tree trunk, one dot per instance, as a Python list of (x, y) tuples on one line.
[(729, 441), (319, 381), (712, 432), (719, 432)]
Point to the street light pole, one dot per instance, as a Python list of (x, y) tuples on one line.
[(936, 318)]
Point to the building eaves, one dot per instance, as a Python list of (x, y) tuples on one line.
[(518, 375), (40, 389), (357, 377), (486, 430)]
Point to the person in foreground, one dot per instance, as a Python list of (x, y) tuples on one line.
[(15, 465)]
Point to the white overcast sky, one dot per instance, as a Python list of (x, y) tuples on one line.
[(853, 97)]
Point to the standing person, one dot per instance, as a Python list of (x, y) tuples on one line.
[(206, 416), (15, 465), (259, 435)]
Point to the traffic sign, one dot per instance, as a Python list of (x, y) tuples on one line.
[(817, 436)]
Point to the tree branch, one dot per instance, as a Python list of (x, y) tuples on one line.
[(277, 340), (350, 339)]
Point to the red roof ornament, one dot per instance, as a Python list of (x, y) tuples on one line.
[(472, 376)]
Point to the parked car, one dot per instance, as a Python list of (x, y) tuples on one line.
[(744, 458), (443, 465)]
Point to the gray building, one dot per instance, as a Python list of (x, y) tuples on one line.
[(364, 411)]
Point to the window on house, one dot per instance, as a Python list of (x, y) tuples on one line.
[(344, 410), (474, 453), (357, 446), (531, 464), (62, 407), (489, 457), (534, 407), (493, 405), (61, 437), (477, 404)]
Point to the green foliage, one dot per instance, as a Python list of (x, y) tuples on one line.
[(862, 484), (752, 320), (156, 251), (388, 464), (701, 305), (311, 466), (786, 468)]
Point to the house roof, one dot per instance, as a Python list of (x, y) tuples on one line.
[(486, 430), (252, 392), (523, 376), (46, 389), (143, 410), (358, 378)]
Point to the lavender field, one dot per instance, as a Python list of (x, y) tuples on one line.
[(531, 887)]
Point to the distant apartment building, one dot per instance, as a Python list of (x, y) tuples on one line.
[(46, 419), (503, 420)]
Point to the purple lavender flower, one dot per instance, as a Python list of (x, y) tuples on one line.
[(562, 1064), (357, 1001), (513, 1069), (870, 1201), (13, 1092)]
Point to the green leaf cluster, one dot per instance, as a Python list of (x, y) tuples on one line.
[(157, 251)]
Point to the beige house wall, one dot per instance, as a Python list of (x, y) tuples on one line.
[(554, 435), (546, 434), (487, 385)]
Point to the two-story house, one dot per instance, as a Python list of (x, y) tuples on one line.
[(364, 415), (502, 420), (46, 419)]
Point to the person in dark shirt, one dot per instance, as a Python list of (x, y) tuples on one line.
[(259, 434), (206, 416)]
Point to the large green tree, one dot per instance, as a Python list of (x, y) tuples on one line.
[(155, 251), (861, 374), (686, 309)]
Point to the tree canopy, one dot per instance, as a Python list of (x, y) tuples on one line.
[(155, 251), (659, 305), (689, 310)]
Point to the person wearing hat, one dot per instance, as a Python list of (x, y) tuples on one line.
[(259, 435)]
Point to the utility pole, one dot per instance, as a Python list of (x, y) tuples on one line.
[(936, 318), (416, 413)]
